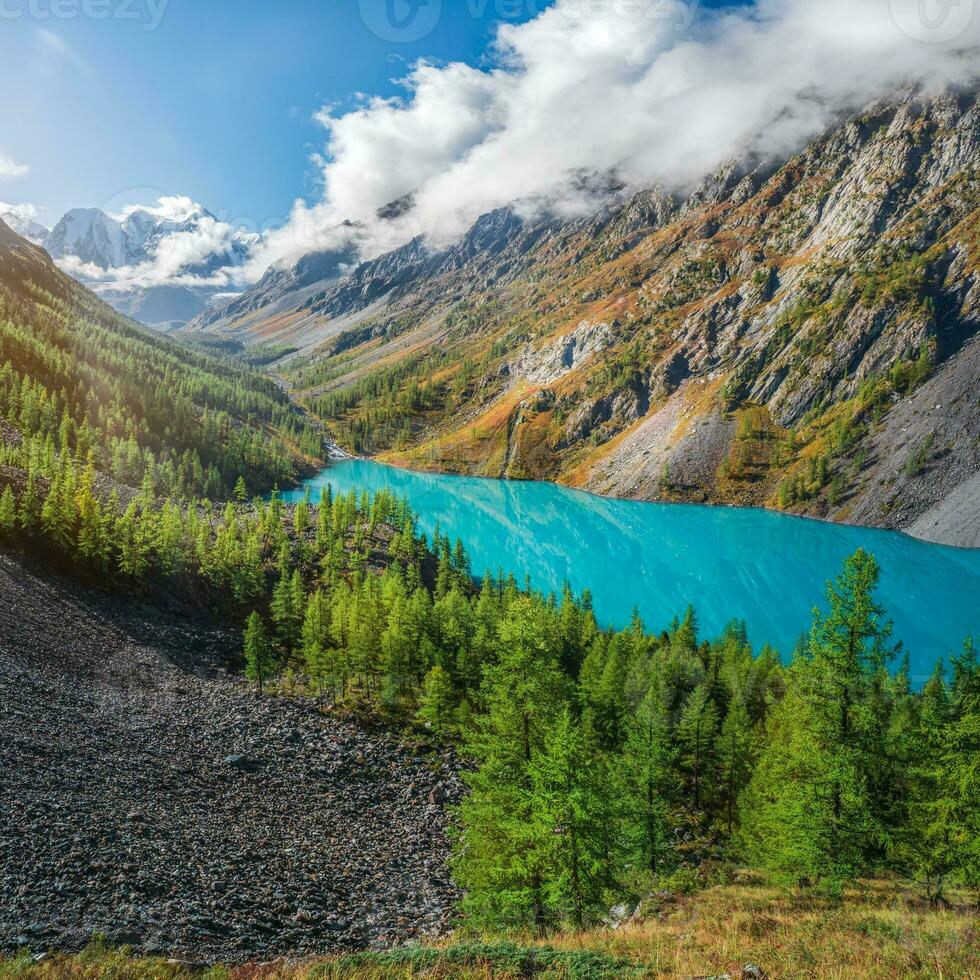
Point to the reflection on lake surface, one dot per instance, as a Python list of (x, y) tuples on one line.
[(768, 569)]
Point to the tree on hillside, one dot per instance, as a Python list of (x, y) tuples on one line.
[(697, 734), (259, 660), (575, 824), (941, 839), (602, 690), (808, 814), (734, 753), (8, 512), (650, 784), (93, 523), (500, 861), (316, 639), (132, 542), (288, 605), (438, 702)]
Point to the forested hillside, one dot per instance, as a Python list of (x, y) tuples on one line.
[(608, 763), (81, 385)]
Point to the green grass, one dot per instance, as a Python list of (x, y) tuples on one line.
[(878, 930)]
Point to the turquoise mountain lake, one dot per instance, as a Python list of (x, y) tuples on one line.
[(768, 569)]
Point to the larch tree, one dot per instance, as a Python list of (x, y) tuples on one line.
[(575, 823), (734, 752), (650, 785), (259, 659), (808, 812), (499, 860), (697, 734), (438, 702)]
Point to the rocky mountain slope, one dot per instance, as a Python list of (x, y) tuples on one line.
[(274, 309), (148, 796), (795, 334)]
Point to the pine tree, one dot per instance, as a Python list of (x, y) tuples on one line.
[(259, 661)]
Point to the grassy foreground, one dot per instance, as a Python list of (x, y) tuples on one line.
[(878, 930)]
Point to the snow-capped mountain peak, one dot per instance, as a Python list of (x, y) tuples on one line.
[(20, 218), (158, 263), (91, 236)]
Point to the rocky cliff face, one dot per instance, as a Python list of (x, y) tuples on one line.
[(768, 340)]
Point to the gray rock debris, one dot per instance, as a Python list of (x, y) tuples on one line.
[(148, 796)]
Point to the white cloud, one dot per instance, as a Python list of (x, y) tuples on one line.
[(174, 208), (201, 251), (10, 169), (608, 85), (641, 88)]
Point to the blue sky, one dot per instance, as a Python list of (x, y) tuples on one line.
[(216, 103)]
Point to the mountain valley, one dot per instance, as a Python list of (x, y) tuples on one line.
[(797, 334), (155, 265)]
